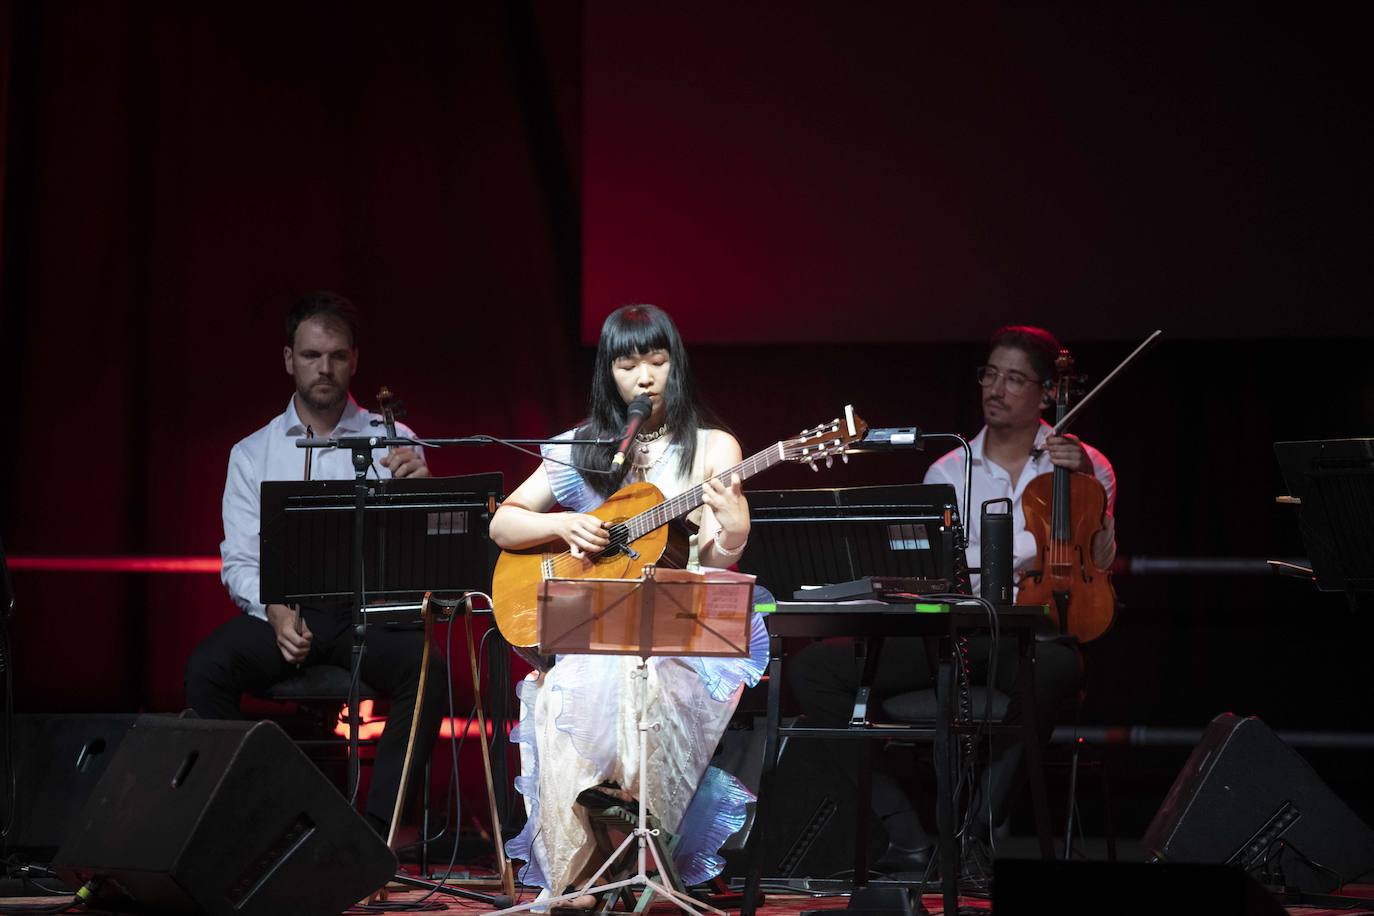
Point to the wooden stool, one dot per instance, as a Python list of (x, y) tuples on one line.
[(625, 821)]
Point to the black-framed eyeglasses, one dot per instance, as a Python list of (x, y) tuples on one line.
[(1015, 381)]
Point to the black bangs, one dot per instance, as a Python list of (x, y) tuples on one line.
[(636, 329)]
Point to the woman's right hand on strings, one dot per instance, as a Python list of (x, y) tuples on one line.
[(584, 534)]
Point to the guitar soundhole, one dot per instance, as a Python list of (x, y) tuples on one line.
[(620, 536)]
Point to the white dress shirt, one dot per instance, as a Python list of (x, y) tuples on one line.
[(991, 481), (271, 454)]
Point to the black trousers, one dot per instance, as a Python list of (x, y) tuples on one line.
[(824, 677), (242, 657)]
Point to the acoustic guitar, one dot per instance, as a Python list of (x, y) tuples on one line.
[(640, 532)]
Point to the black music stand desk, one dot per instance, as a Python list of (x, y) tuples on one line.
[(364, 542), (875, 620), (1332, 481), (376, 544), (824, 536), (419, 535)]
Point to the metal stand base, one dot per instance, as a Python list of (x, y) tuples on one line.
[(489, 899)]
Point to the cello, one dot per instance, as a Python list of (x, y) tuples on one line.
[(1064, 509)]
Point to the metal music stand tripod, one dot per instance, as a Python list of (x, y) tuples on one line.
[(668, 612), (407, 537)]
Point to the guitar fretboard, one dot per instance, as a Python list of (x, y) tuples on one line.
[(686, 501)]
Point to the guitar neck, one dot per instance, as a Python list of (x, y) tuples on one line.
[(685, 502)]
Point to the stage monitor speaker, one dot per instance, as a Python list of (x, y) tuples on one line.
[(810, 827), (1245, 798), (58, 760), (225, 818), (1033, 887)]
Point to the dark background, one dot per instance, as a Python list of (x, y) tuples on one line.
[(837, 203)]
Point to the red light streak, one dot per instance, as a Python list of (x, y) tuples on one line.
[(120, 564), (370, 725)]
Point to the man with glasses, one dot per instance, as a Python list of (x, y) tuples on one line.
[(1013, 448), (1015, 445)]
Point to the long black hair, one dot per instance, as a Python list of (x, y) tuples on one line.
[(629, 330)]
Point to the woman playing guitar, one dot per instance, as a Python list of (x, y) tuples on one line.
[(640, 354), (574, 751)]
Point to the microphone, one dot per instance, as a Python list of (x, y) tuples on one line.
[(638, 412), (881, 440)]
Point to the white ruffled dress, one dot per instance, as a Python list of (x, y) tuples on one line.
[(580, 728)]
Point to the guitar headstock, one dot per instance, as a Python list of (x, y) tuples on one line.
[(825, 441)]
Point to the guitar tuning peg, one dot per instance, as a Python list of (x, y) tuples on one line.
[(844, 456), (830, 461), (811, 463)]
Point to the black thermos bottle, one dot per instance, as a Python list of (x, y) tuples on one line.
[(996, 562)]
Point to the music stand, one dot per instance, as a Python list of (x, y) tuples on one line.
[(823, 536), (419, 535), (1333, 483), (389, 541), (668, 612)]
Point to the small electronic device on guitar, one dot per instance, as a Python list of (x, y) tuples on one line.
[(639, 531)]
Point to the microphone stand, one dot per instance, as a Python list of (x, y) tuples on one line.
[(902, 438), (362, 448), (393, 442)]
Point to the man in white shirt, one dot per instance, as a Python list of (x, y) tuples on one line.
[(268, 643), (1013, 448)]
